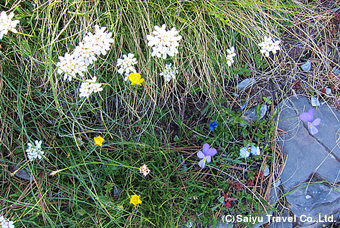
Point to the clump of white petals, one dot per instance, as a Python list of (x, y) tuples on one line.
[(230, 56), (126, 65), (144, 170), (169, 72), (85, 53), (89, 86), (6, 24), (269, 46), (71, 65), (163, 42), (34, 152), (5, 223)]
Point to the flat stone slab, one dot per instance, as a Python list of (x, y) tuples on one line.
[(312, 167)]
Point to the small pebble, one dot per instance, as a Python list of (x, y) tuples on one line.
[(245, 83), (314, 101), (307, 66)]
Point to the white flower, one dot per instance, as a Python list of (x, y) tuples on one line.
[(268, 45), (88, 87), (6, 23), (126, 64), (230, 56), (169, 72), (100, 42), (34, 152), (71, 65), (5, 223), (163, 42), (85, 53), (244, 153), (144, 170)]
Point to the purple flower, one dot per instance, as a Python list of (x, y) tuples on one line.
[(206, 155), (212, 125), (308, 118)]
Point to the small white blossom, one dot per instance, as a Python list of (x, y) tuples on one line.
[(144, 170), (169, 72), (88, 87), (230, 56), (269, 46), (6, 24), (100, 41), (34, 152), (71, 65), (5, 223), (126, 65), (163, 42)]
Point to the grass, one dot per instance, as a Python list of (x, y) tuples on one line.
[(162, 125)]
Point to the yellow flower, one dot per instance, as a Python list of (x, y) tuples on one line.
[(135, 78), (121, 207), (135, 200), (98, 140)]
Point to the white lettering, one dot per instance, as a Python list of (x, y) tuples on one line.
[(269, 217), (239, 218)]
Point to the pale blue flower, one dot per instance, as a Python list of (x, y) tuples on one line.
[(244, 152), (255, 150)]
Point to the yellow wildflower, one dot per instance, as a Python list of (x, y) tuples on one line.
[(135, 200), (135, 78), (98, 140)]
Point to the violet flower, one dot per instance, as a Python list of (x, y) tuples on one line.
[(212, 125), (308, 118), (206, 155)]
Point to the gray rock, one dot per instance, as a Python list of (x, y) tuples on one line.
[(314, 101), (245, 83), (21, 173), (307, 66), (225, 225), (250, 114), (313, 161)]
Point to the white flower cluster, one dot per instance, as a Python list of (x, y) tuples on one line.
[(169, 72), (85, 53), (5, 223), (6, 24), (34, 152), (268, 45), (144, 170), (126, 64), (163, 42), (230, 56), (88, 87)]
